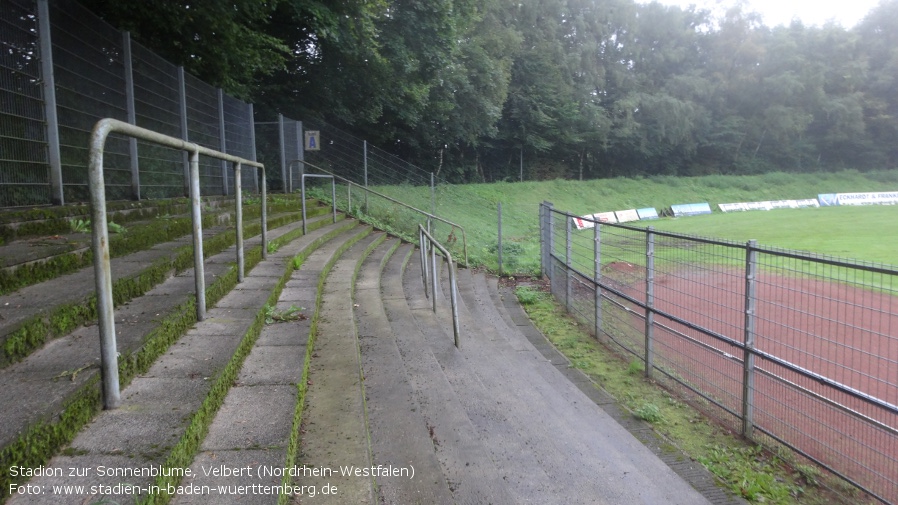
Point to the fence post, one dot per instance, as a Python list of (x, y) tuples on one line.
[(283, 151), (567, 263), (433, 199), (252, 143), (182, 95), (542, 238), (300, 155), (48, 81), (550, 246), (222, 142), (748, 372), (596, 277), (365, 156), (500, 239), (132, 113), (649, 300)]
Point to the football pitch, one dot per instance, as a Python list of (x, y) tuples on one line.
[(867, 233)]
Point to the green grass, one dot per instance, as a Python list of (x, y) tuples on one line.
[(868, 233), (865, 233)]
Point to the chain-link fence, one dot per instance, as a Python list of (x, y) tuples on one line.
[(61, 70), (474, 208), (787, 348)]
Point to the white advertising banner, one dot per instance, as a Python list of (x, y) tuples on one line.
[(757, 205), (783, 204), (605, 217), (890, 198), (581, 222), (732, 207), (624, 216)]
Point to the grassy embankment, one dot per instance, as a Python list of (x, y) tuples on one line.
[(867, 233)]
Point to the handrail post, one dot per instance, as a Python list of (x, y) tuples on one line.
[(100, 235), (333, 196), (103, 274), (422, 252), (427, 240), (238, 203), (199, 272), (453, 300), (433, 276), (302, 185), (264, 216)]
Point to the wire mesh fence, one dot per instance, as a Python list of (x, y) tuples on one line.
[(22, 135), (61, 70), (474, 207), (788, 348)]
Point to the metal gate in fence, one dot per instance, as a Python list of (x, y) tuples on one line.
[(785, 347)]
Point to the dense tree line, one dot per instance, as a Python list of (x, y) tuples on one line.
[(574, 88)]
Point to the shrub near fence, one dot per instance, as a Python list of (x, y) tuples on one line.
[(785, 347)]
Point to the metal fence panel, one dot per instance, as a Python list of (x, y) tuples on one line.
[(238, 140), (90, 85), (202, 128), (157, 104), (24, 176)]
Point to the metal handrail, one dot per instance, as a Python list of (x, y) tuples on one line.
[(100, 234), (464, 237), (333, 196), (427, 242)]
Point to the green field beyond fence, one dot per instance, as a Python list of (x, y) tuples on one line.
[(865, 233)]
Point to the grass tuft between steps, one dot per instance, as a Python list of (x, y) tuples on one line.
[(302, 386)]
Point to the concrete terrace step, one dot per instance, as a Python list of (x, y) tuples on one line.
[(469, 469), (35, 314), (399, 436), (256, 426), (574, 452), (333, 421), (505, 302), (56, 388)]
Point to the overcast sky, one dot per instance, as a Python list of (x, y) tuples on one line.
[(780, 12)]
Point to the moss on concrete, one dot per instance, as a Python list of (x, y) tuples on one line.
[(34, 332), (39, 442)]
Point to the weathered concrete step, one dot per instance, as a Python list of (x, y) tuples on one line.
[(472, 474), (586, 456), (694, 473), (488, 397), (400, 438), (36, 314), (256, 423), (335, 434), (53, 403)]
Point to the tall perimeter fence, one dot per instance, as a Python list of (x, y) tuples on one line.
[(367, 166), (61, 70), (787, 348)]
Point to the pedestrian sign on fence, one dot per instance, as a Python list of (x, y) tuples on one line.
[(312, 140)]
